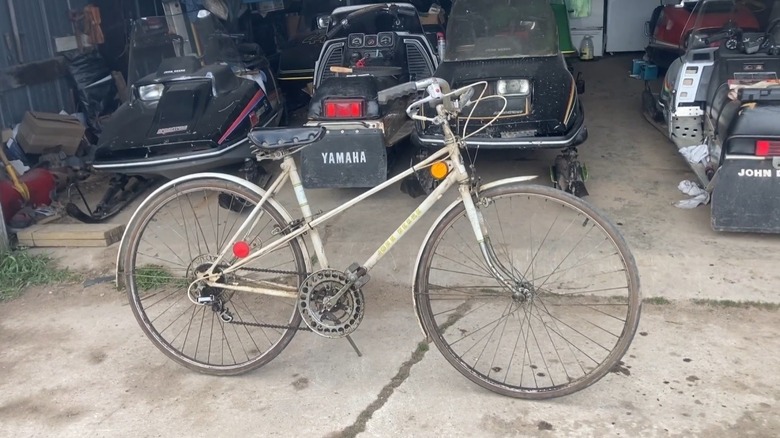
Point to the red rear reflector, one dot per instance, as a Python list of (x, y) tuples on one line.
[(241, 249), (343, 108), (766, 148)]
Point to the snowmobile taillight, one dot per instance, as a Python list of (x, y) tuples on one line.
[(343, 108), (241, 249), (767, 148)]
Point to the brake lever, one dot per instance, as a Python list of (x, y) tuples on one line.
[(465, 98)]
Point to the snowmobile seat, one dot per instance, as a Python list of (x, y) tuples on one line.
[(283, 139), (722, 110)]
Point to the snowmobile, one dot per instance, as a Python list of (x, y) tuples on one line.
[(368, 48), (671, 24), (196, 92), (514, 46), (720, 105)]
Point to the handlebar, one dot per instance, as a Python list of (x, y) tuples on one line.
[(408, 88), (719, 36), (452, 101)]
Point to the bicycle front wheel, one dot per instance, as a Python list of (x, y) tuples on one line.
[(211, 330), (571, 308)]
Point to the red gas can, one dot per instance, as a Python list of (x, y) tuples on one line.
[(41, 185)]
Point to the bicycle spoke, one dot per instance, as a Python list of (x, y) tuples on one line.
[(568, 314), (211, 329)]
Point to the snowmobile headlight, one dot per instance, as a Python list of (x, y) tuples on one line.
[(323, 21), (516, 86), (151, 92)]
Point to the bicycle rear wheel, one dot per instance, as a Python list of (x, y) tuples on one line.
[(213, 330), (568, 317)]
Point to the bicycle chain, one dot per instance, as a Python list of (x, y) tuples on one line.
[(273, 326)]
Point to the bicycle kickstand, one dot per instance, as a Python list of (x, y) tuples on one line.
[(354, 346)]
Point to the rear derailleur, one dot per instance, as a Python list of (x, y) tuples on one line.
[(569, 174)]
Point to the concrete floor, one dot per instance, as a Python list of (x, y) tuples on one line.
[(692, 370)]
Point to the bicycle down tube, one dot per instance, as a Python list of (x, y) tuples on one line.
[(311, 226)]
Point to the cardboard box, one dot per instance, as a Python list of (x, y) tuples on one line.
[(431, 19), (6, 135), (46, 132)]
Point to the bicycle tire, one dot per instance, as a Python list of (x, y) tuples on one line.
[(450, 326), (240, 346)]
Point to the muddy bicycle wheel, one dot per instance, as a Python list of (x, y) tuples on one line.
[(210, 329), (571, 307)]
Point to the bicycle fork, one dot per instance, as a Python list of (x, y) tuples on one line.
[(505, 276)]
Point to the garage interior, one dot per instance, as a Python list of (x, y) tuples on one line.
[(633, 175), (633, 170)]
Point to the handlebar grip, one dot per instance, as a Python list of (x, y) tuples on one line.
[(395, 92)]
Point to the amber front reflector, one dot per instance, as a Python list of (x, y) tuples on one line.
[(439, 170)]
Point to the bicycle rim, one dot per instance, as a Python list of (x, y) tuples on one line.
[(214, 331), (569, 324)]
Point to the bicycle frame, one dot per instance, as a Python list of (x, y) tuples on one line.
[(450, 154)]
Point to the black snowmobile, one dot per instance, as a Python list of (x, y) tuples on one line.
[(197, 91), (368, 49), (514, 46), (298, 57)]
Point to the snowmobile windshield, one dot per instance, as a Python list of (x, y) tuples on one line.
[(373, 19), (711, 18), (179, 44), (490, 29)]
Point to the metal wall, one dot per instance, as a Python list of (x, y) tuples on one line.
[(39, 22)]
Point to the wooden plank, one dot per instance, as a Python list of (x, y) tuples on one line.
[(70, 235), (43, 243)]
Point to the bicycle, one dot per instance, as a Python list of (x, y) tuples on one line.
[(504, 313)]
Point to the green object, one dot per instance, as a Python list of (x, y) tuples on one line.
[(580, 8), (562, 21)]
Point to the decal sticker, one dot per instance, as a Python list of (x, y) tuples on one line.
[(172, 130), (314, 39), (759, 173), (344, 157)]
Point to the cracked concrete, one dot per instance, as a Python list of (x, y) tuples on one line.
[(74, 362)]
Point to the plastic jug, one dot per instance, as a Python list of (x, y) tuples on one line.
[(586, 48)]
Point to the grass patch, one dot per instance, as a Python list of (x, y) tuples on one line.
[(20, 269), (737, 304), (153, 276), (658, 301)]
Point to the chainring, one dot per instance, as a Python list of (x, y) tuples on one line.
[(343, 317)]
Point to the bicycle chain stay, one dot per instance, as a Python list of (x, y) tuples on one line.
[(272, 326)]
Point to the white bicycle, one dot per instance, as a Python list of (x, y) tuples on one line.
[(526, 290)]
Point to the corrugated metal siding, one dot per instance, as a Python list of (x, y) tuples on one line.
[(39, 22)]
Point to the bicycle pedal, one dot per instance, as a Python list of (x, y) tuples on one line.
[(359, 274)]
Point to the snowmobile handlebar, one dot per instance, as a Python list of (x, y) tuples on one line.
[(412, 87)]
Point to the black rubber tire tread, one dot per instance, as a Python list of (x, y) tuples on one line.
[(137, 226), (424, 310)]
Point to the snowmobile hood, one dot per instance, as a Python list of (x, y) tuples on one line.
[(551, 95)]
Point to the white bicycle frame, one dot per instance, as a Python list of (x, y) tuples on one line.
[(449, 154)]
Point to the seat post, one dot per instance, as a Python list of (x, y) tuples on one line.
[(303, 202)]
